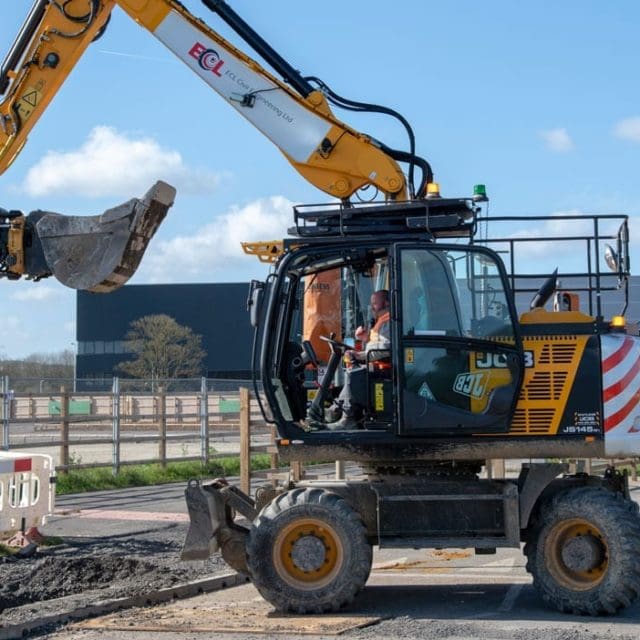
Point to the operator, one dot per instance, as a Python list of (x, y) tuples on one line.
[(353, 397)]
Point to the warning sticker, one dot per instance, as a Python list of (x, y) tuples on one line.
[(379, 396), (426, 392), (28, 102)]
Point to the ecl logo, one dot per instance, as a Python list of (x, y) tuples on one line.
[(208, 59)]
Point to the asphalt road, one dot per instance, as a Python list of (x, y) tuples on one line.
[(410, 594)]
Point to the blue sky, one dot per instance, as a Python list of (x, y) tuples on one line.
[(539, 101)]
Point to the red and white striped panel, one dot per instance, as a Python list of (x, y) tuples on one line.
[(18, 465), (27, 490), (621, 394)]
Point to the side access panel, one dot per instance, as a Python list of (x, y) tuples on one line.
[(402, 512), (481, 514), (562, 390)]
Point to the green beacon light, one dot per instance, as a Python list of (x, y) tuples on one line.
[(480, 193)]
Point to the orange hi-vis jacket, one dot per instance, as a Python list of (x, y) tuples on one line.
[(379, 334)]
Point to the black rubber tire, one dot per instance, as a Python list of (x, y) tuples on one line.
[(324, 521), (613, 525)]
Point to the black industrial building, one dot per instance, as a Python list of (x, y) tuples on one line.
[(217, 312)]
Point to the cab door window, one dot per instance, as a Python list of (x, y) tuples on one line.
[(460, 365)]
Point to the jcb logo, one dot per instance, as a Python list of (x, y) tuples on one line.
[(471, 384), (499, 360), (491, 361)]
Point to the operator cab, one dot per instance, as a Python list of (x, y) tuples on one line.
[(454, 365)]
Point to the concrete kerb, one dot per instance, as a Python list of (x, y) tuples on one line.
[(186, 590)]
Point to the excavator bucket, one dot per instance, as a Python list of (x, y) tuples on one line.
[(100, 253), (93, 253)]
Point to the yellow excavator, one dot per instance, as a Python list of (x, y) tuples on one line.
[(459, 374)]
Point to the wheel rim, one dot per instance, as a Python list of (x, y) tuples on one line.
[(576, 554), (308, 554)]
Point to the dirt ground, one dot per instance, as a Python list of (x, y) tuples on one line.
[(84, 571)]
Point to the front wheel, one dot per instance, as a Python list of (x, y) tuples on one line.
[(308, 552), (584, 552)]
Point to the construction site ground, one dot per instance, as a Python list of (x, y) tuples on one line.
[(117, 574)]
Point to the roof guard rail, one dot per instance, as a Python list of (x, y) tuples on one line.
[(441, 217)]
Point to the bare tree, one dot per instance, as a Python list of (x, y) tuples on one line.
[(162, 349), (36, 367)]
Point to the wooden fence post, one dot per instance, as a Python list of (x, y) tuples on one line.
[(297, 470), (245, 441), (162, 426), (64, 430), (496, 468), (275, 461)]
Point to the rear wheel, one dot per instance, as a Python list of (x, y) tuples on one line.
[(584, 552), (308, 553)]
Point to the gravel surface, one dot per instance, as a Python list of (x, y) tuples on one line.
[(104, 562), (89, 570), (84, 571)]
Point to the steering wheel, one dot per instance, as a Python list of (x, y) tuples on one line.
[(336, 343)]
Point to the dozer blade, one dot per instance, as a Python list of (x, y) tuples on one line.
[(95, 253), (206, 515)]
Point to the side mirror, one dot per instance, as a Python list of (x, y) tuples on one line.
[(611, 258), (254, 302)]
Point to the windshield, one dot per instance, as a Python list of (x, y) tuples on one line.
[(335, 302)]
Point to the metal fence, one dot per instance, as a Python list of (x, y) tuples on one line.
[(134, 422), (158, 421)]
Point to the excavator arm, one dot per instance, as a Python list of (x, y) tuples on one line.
[(293, 112)]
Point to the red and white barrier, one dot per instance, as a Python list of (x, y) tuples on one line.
[(27, 491), (621, 395)]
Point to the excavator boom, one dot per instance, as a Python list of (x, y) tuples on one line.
[(292, 112)]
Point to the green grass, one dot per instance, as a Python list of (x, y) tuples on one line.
[(101, 478)]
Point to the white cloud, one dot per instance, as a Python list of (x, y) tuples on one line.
[(111, 163), (10, 323), (35, 293), (557, 140), (13, 331), (628, 129), (216, 246)]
